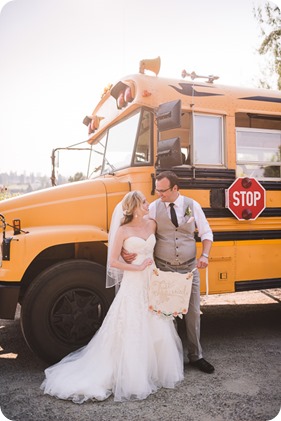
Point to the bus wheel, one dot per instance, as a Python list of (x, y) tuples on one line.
[(63, 308)]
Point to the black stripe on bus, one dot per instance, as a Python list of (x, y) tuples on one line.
[(257, 284), (225, 213), (247, 235), (188, 90), (196, 184), (211, 178), (262, 98), (196, 173)]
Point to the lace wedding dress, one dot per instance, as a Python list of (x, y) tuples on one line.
[(134, 353)]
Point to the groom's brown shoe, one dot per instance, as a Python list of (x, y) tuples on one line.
[(203, 365)]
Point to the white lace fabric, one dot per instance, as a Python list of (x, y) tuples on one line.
[(133, 354)]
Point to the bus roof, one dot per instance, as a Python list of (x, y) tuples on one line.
[(151, 91)]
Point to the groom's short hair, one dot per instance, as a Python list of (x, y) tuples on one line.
[(170, 175)]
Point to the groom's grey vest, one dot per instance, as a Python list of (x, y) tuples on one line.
[(174, 245)]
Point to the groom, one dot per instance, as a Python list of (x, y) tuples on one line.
[(177, 217)]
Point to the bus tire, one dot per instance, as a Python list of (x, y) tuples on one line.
[(64, 307)]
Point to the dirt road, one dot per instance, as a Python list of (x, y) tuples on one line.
[(240, 336)]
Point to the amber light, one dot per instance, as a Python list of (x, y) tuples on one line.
[(17, 226), (123, 92), (128, 96), (121, 103), (93, 123), (124, 97)]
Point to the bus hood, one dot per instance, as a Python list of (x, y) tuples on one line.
[(89, 202)]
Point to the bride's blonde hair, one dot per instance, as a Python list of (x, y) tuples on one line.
[(132, 200)]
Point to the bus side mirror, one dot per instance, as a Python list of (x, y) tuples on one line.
[(168, 115), (169, 153)]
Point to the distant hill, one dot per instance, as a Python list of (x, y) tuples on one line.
[(13, 183)]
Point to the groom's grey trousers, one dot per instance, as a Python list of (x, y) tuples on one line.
[(192, 318)]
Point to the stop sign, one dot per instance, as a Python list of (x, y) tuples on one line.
[(245, 198)]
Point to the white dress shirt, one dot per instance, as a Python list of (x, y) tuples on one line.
[(204, 230)]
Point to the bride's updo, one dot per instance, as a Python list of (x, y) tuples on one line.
[(130, 202)]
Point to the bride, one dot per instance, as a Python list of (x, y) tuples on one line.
[(135, 352)]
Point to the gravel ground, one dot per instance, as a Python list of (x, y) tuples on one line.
[(240, 336)]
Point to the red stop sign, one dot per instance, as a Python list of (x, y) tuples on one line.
[(245, 198)]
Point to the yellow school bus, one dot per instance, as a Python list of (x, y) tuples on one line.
[(223, 142)]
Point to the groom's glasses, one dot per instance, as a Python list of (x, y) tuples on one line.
[(163, 191)]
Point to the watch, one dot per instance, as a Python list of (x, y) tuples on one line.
[(205, 255)]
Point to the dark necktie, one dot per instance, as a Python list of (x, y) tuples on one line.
[(174, 218)]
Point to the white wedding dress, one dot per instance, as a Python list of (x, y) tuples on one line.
[(134, 353)]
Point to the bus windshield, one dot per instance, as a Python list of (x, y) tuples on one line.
[(129, 142)]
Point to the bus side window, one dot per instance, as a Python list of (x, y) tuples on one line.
[(258, 153), (208, 147), (183, 133), (258, 145)]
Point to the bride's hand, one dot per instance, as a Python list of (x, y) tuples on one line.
[(145, 263)]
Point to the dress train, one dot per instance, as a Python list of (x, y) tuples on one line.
[(133, 354)]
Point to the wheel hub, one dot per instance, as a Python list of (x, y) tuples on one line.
[(76, 316)]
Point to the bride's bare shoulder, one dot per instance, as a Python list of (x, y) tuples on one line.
[(122, 231), (151, 223)]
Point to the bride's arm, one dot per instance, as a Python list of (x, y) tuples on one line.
[(116, 252)]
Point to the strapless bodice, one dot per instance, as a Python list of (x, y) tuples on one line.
[(142, 247)]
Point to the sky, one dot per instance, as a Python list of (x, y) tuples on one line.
[(56, 57)]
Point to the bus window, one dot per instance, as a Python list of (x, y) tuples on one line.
[(208, 139), (258, 153), (142, 153), (96, 158), (204, 144), (120, 144), (183, 133), (258, 121)]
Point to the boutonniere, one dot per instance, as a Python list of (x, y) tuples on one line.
[(187, 215), (187, 211)]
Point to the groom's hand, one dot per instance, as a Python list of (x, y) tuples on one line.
[(128, 257), (202, 262)]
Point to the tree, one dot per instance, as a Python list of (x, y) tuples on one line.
[(269, 19), (77, 177), (272, 170)]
